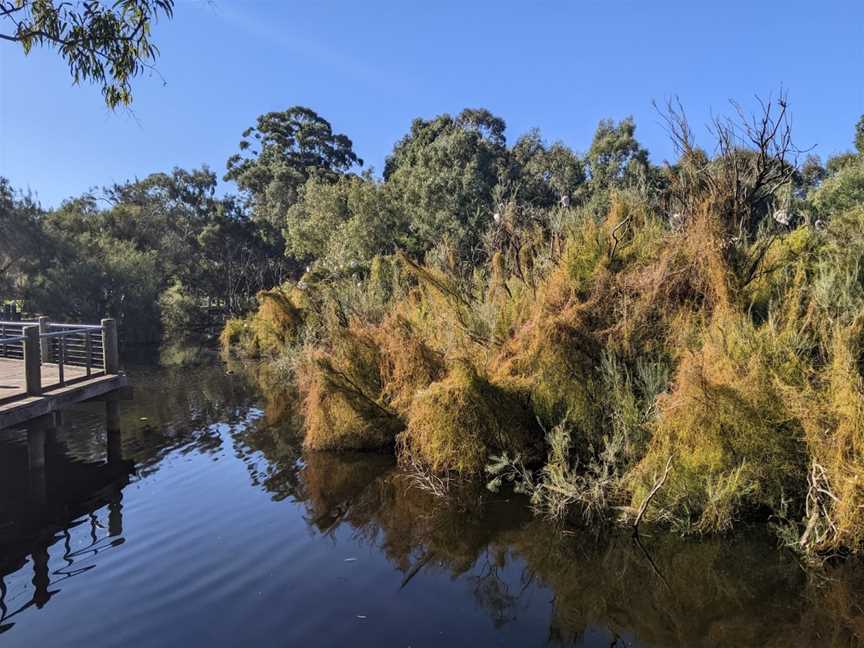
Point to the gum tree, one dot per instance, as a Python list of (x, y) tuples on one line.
[(106, 43)]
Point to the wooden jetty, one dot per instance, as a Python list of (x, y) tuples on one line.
[(45, 366)]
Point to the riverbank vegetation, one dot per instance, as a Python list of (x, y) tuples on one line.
[(618, 340)]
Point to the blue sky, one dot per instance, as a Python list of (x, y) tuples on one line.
[(371, 67)]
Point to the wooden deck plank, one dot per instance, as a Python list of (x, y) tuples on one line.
[(12, 378), (23, 407)]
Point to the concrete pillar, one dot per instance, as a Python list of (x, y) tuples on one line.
[(44, 343), (111, 355), (32, 360)]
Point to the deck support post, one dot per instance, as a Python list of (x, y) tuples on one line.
[(37, 450), (112, 427), (44, 343), (109, 346), (32, 361), (37, 442)]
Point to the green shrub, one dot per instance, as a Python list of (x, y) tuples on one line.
[(455, 424)]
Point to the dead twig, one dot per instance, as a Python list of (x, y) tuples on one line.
[(654, 489), (615, 236)]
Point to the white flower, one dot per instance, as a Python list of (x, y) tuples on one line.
[(496, 217), (782, 216), (565, 200)]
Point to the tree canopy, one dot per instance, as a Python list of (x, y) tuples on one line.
[(121, 252), (281, 152), (159, 249), (615, 157), (546, 173), (443, 173), (107, 43)]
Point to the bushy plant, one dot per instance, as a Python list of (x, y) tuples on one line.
[(612, 360), (455, 424)]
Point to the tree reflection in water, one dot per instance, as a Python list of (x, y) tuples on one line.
[(720, 591), (735, 591)]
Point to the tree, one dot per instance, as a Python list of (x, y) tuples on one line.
[(344, 223), (841, 185), (21, 239), (752, 174), (281, 152), (104, 43), (443, 174), (841, 191), (810, 175), (167, 235), (208, 246), (545, 174), (615, 158)]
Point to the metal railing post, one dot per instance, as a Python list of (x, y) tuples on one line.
[(61, 360), (32, 360), (88, 352), (110, 354), (45, 343)]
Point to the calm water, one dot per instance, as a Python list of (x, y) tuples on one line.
[(206, 525)]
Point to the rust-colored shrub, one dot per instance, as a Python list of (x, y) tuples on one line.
[(454, 424), (276, 323)]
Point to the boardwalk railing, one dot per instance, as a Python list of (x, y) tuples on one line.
[(92, 347)]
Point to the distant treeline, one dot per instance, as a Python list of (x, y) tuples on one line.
[(159, 254), (166, 255)]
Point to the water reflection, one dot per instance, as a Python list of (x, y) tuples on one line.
[(224, 465), (62, 476), (660, 591), (45, 494), (737, 591)]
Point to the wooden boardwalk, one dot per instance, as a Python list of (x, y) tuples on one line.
[(45, 367), (13, 381)]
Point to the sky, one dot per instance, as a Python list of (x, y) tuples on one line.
[(371, 67)]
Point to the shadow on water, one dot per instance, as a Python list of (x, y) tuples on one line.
[(593, 588)]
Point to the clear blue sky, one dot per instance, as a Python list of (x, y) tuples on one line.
[(370, 67)]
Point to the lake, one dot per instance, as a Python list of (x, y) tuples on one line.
[(202, 522)]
